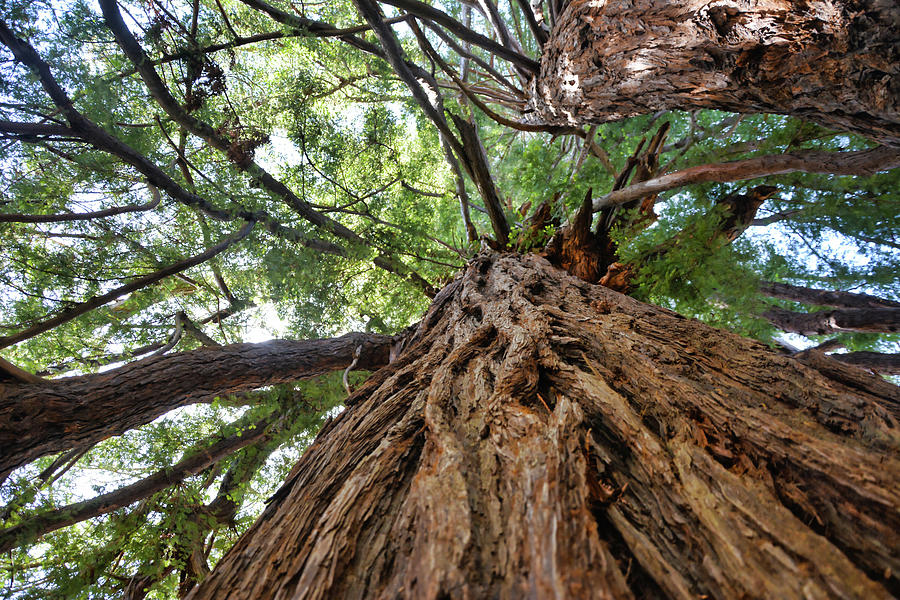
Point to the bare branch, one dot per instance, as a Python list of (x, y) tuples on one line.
[(885, 364), (420, 9), (98, 214), (879, 320)]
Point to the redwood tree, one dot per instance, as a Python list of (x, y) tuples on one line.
[(541, 431)]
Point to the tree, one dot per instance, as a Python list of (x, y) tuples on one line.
[(537, 432)]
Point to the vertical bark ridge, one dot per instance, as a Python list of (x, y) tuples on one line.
[(548, 438)]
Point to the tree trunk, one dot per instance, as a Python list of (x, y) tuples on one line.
[(542, 437), (37, 419), (836, 62)]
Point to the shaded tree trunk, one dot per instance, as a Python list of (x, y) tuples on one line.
[(37, 419), (542, 437), (836, 62)]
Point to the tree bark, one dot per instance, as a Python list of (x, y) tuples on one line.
[(42, 418), (836, 62), (543, 437)]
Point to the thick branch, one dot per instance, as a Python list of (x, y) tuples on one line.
[(807, 295), (30, 130), (83, 307), (864, 162), (880, 320), (42, 418)]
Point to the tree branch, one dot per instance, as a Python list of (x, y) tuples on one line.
[(142, 282), (796, 293), (30, 530), (885, 364), (880, 320), (864, 162), (43, 418), (98, 214), (420, 9)]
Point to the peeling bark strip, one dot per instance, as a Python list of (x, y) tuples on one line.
[(836, 62), (547, 438), (42, 418)]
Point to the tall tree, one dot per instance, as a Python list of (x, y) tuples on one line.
[(181, 176)]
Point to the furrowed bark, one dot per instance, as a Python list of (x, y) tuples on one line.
[(42, 418), (543, 437), (32, 529), (880, 320), (836, 62), (796, 293)]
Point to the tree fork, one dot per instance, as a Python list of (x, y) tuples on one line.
[(544, 437)]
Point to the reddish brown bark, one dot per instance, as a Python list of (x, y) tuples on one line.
[(41, 418), (548, 438), (832, 61), (865, 162)]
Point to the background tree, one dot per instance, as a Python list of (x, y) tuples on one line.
[(181, 177)]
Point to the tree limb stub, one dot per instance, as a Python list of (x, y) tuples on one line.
[(37, 419)]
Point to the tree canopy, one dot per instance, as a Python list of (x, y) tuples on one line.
[(179, 177)]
